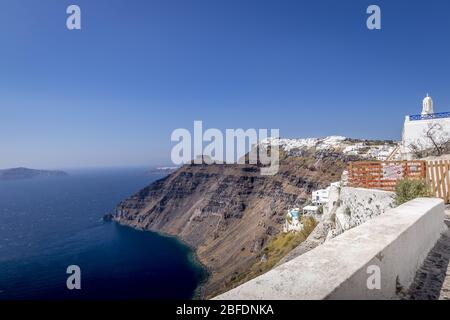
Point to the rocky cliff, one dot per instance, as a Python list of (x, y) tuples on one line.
[(229, 212)]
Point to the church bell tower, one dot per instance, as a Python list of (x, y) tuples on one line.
[(427, 105)]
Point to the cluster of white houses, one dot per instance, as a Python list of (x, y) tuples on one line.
[(319, 199), (421, 131)]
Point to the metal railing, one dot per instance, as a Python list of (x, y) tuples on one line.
[(439, 115)]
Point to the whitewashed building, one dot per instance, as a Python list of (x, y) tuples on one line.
[(320, 197), (293, 221), (415, 129)]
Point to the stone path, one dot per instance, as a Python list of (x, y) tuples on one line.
[(432, 281)]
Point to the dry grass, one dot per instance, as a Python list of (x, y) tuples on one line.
[(275, 250)]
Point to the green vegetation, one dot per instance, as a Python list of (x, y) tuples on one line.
[(320, 209), (274, 251), (409, 189)]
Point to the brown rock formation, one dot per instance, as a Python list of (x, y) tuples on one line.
[(228, 212)]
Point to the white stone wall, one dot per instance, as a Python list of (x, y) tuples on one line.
[(396, 242), (358, 205), (333, 198)]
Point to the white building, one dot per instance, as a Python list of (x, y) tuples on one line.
[(293, 221), (416, 127), (310, 210), (320, 197)]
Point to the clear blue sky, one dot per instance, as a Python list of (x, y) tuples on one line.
[(112, 93)]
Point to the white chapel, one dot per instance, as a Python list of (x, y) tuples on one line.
[(417, 127)]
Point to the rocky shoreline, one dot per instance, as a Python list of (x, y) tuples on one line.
[(228, 213)]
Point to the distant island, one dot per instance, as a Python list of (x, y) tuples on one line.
[(163, 170), (26, 173)]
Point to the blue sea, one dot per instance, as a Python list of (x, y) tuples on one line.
[(48, 224)]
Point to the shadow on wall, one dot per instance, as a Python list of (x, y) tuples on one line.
[(429, 280)]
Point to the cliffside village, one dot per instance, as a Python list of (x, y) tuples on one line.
[(423, 131)]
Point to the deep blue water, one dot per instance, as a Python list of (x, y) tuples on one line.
[(47, 224)]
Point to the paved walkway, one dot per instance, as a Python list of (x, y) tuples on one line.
[(432, 281)]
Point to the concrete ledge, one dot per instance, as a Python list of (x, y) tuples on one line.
[(397, 241)]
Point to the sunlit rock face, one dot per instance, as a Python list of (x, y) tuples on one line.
[(228, 213)]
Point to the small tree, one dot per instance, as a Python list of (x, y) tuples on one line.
[(436, 141), (409, 189), (438, 137), (417, 149)]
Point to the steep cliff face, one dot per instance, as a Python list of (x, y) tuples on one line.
[(228, 212)]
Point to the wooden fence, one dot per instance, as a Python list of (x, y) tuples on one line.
[(438, 174), (385, 174)]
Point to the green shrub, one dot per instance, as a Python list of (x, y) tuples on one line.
[(409, 189), (320, 209)]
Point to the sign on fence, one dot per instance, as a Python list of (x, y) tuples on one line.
[(392, 172)]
